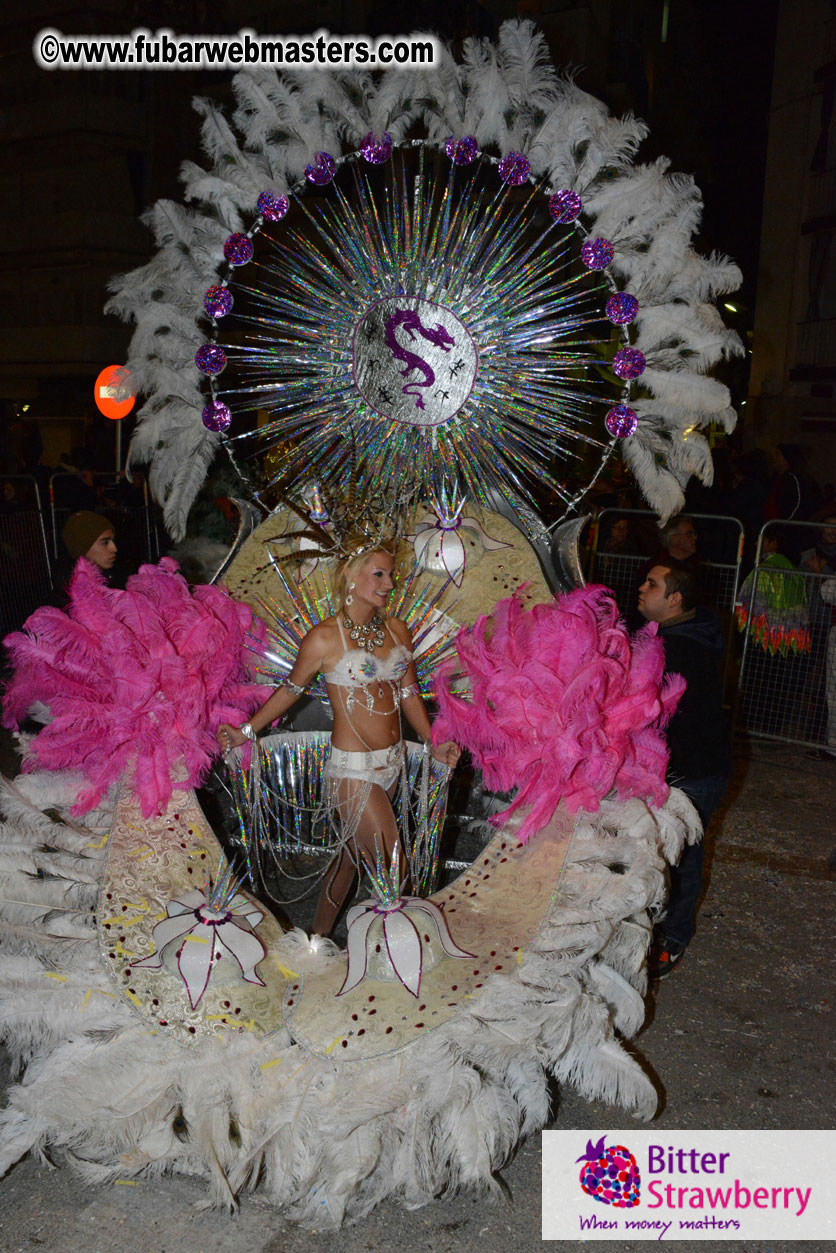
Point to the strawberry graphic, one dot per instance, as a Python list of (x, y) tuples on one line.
[(610, 1174)]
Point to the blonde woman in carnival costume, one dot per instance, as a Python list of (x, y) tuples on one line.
[(367, 662)]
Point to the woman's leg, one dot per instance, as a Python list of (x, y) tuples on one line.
[(368, 825)]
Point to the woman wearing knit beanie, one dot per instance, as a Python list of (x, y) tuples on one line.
[(90, 535)]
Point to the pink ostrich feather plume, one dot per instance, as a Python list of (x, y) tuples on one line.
[(137, 678), (563, 705)]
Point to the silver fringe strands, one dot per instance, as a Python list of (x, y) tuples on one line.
[(280, 812)]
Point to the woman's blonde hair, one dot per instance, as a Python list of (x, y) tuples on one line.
[(346, 572)]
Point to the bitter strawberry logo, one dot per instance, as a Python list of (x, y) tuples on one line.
[(610, 1174)]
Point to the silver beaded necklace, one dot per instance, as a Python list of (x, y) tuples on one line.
[(368, 635)]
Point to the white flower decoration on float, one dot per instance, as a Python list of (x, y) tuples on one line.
[(199, 926), (438, 544), (398, 920)]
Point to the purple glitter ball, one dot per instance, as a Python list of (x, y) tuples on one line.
[(376, 151), (216, 416), (210, 359), (238, 249), (217, 301), (597, 253), (621, 421), (622, 308), (272, 207), (565, 206), (514, 168), (462, 151), (628, 363), (322, 170)]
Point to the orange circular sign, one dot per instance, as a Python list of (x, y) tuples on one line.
[(108, 389)]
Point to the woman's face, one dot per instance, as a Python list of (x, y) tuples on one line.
[(620, 531), (373, 582)]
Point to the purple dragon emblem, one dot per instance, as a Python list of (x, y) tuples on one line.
[(411, 322)]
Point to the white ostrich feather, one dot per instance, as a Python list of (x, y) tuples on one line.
[(233, 204), (443, 95), (218, 138), (196, 454), (680, 335), (343, 99), (258, 116), (683, 388), (625, 1003), (392, 105), (634, 206), (304, 128), (488, 95), (531, 81)]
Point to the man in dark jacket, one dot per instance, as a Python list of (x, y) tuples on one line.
[(698, 738)]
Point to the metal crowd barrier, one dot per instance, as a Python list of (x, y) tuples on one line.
[(787, 684), (24, 553)]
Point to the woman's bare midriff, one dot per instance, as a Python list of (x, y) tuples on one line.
[(363, 732)]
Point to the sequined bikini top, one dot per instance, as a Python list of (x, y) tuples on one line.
[(357, 668)]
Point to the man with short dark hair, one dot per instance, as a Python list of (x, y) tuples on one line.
[(678, 542), (698, 740)]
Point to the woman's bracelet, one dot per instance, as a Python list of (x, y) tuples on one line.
[(247, 731), (411, 689), (294, 687)]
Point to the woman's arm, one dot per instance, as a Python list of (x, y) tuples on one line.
[(305, 668), (412, 703)]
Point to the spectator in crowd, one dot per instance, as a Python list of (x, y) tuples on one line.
[(820, 561), (772, 607), (750, 492), (129, 492), (821, 558), (73, 484), (615, 548), (31, 464), (794, 496), (698, 737), (677, 541), (89, 535), (827, 592), (617, 539), (10, 502)]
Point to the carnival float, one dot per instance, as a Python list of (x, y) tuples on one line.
[(418, 303)]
